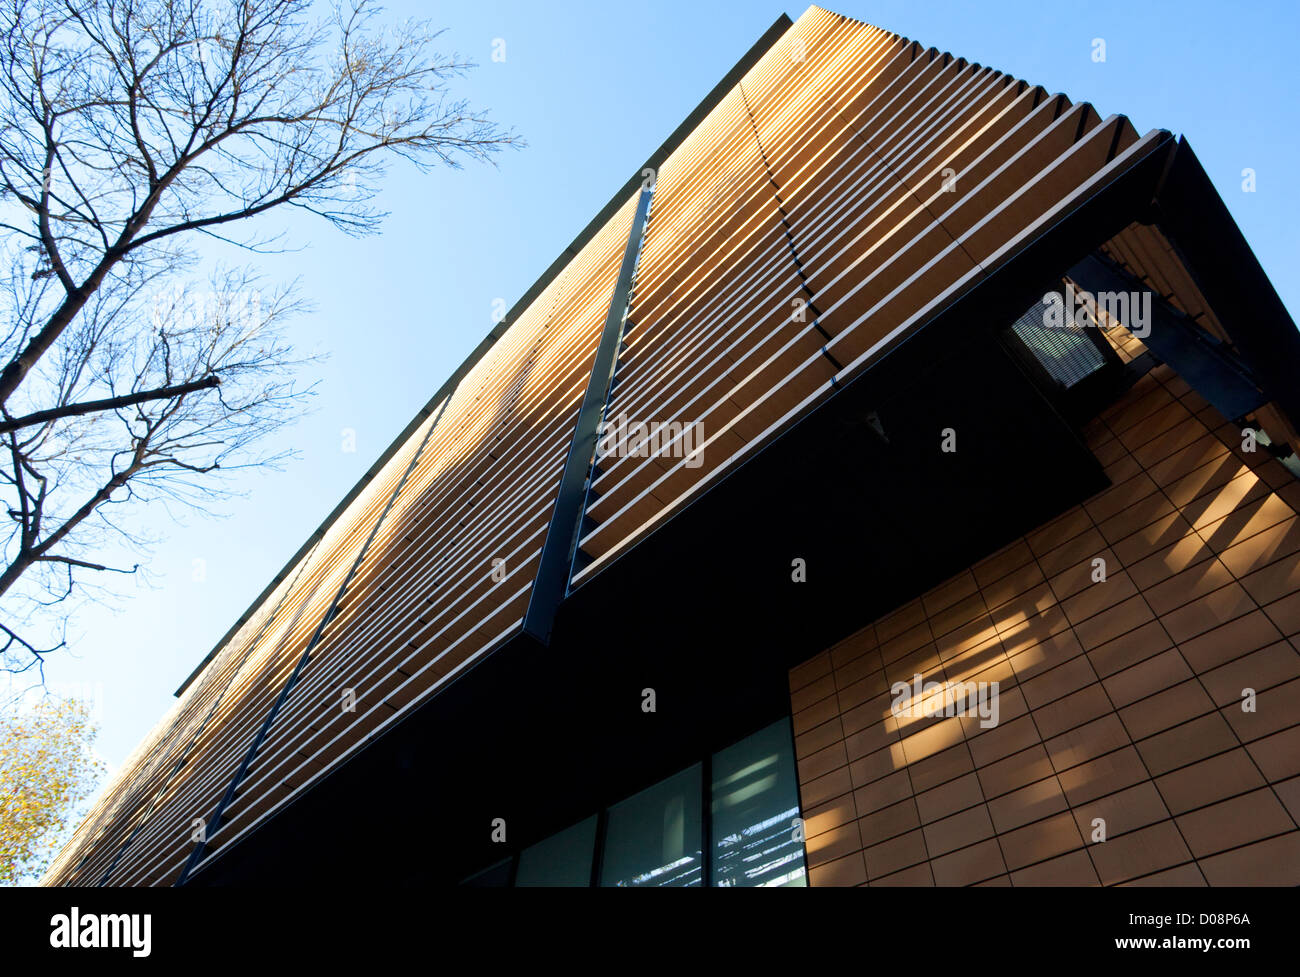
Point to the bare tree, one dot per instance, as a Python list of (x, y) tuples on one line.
[(129, 131)]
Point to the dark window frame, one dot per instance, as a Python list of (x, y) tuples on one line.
[(706, 823)]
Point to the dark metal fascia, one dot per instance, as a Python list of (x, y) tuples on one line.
[(1211, 368), (1193, 217)]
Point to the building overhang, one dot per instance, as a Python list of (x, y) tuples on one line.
[(705, 609)]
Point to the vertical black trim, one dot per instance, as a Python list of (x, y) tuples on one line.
[(706, 821), (555, 569), (196, 856), (798, 797), (598, 854)]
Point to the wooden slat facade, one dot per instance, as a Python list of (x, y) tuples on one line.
[(423, 603), (856, 172)]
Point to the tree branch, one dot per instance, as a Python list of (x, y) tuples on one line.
[(108, 403)]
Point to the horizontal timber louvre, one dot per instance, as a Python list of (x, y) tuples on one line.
[(428, 598), (214, 714), (856, 183)]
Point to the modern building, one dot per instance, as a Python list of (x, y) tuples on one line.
[(893, 484)]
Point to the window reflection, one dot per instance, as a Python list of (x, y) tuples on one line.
[(655, 838), (563, 859), (755, 807), (1066, 353)]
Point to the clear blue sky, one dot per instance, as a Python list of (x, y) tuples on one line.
[(595, 87)]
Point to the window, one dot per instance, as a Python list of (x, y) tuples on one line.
[(1067, 354), (657, 837), (755, 827), (563, 859), (1061, 345)]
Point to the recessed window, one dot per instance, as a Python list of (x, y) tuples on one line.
[(1066, 353), (743, 799), (563, 859), (656, 837), (756, 833)]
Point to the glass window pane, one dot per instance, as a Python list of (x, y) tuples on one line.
[(1063, 351), (656, 837), (562, 859), (755, 800), (491, 877)]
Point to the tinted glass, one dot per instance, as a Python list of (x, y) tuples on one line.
[(562, 859), (1065, 353), (655, 837), (492, 877), (757, 839)]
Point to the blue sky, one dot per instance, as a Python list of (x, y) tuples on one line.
[(595, 88)]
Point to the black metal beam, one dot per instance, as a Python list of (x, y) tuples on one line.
[(1190, 213), (556, 567), (216, 704), (1212, 370)]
